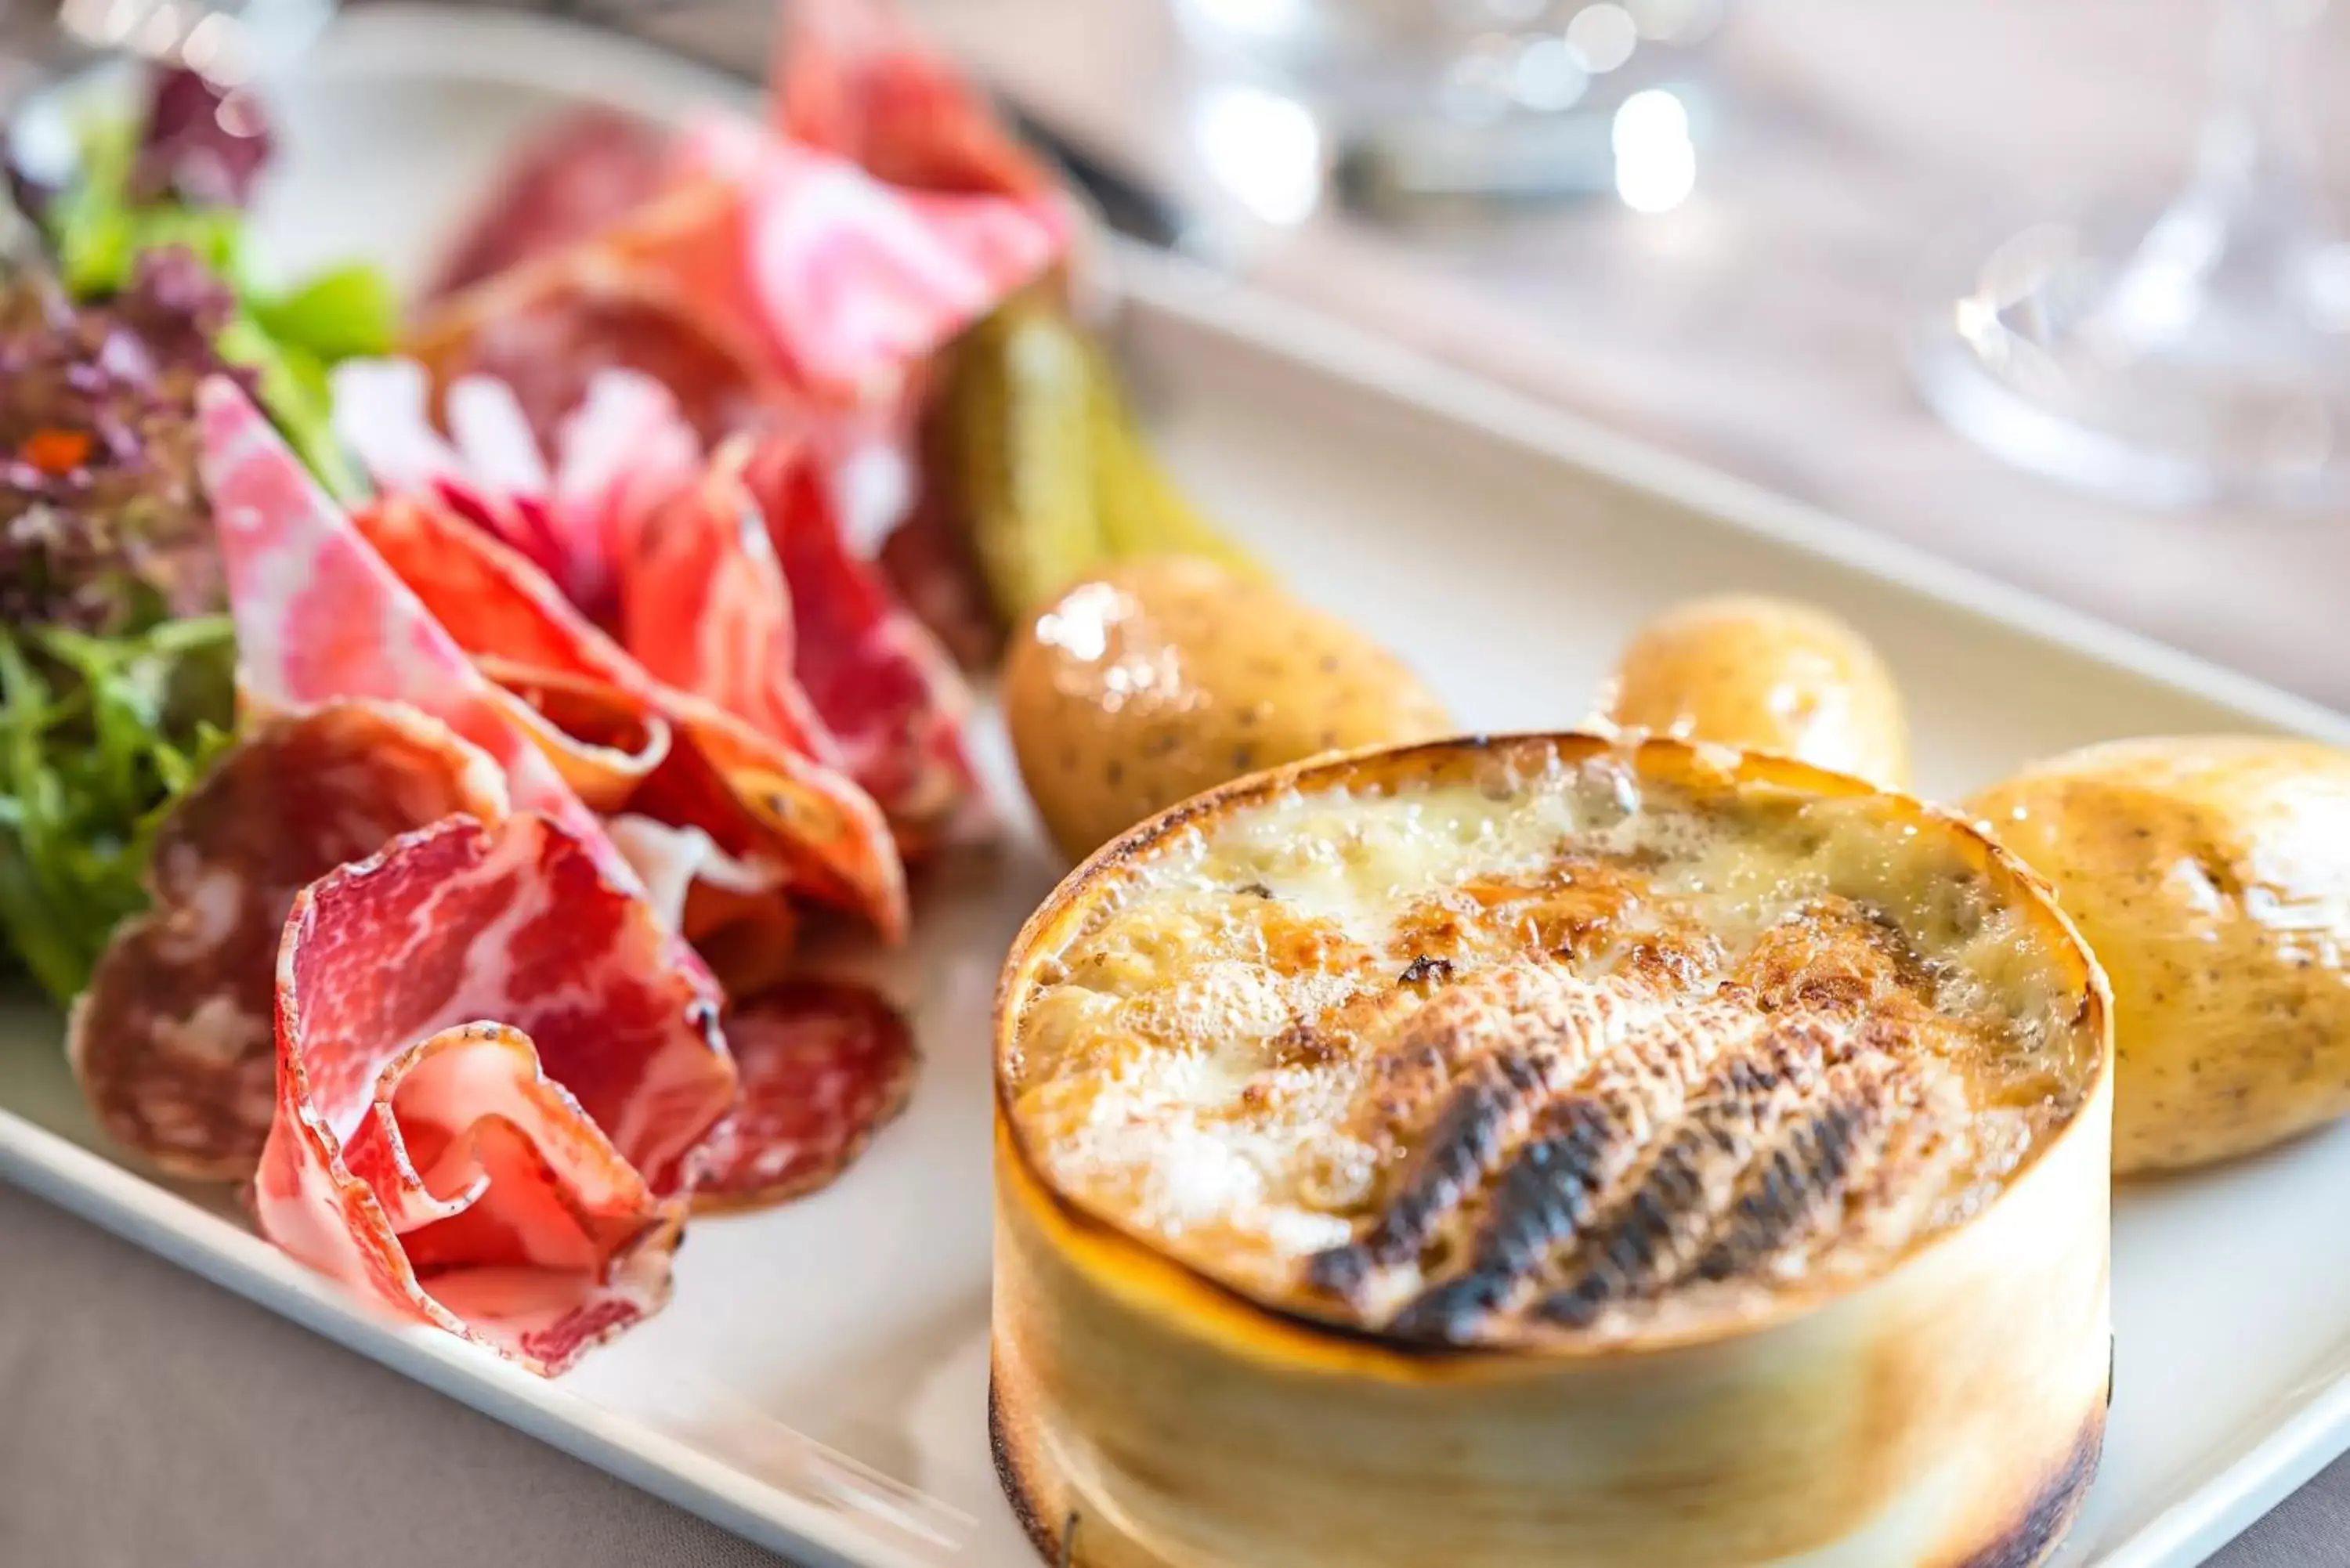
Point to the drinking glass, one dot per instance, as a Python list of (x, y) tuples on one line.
[(232, 41), (2198, 354), (1482, 99)]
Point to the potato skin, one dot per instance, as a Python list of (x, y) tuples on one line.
[(1162, 678), (1765, 675), (2211, 875)]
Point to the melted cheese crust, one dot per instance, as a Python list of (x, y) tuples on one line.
[(1561, 1053)]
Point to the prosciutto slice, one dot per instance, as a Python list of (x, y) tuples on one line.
[(491, 1080)]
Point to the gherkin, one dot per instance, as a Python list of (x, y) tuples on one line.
[(1047, 464)]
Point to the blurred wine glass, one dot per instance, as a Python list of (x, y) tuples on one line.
[(2198, 354), (1453, 98), (232, 41)]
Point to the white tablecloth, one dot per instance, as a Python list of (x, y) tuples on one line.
[(148, 1419)]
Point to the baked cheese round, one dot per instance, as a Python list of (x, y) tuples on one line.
[(1552, 1150)]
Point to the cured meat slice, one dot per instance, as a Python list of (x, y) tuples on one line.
[(171, 1043), (850, 283), (494, 603), (929, 563), (754, 793), (878, 681), (578, 176), (750, 940), (626, 447), (631, 742), (853, 78), (493, 1079), (320, 618), (549, 327), (704, 607), (709, 859), (825, 1064)]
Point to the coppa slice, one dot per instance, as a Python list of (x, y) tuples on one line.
[(487, 1102), (172, 1040)]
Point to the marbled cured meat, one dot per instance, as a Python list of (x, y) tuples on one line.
[(810, 818), (172, 1040), (496, 1064), (580, 174), (877, 678), (493, 1079)]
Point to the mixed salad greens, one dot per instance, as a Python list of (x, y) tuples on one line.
[(116, 662)]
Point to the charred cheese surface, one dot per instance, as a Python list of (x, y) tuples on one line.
[(1555, 1054)]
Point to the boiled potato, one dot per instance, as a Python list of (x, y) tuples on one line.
[(2212, 876), (1765, 675), (1161, 678)]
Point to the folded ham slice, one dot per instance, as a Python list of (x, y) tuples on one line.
[(490, 1085)]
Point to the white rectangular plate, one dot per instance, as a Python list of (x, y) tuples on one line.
[(817, 1384)]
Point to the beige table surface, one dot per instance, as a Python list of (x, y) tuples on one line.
[(149, 1420)]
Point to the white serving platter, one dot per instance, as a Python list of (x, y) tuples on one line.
[(818, 1385)]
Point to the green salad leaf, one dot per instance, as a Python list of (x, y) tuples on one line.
[(292, 385), (347, 313), (99, 736), (101, 224), (116, 670)]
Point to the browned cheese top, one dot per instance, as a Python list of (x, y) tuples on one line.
[(1562, 1053)]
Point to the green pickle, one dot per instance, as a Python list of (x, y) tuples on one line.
[(1056, 480)]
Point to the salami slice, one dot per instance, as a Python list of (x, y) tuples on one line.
[(813, 818), (492, 1082), (877, 678), (825, 1064), (578, 176), (171, 1041)]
